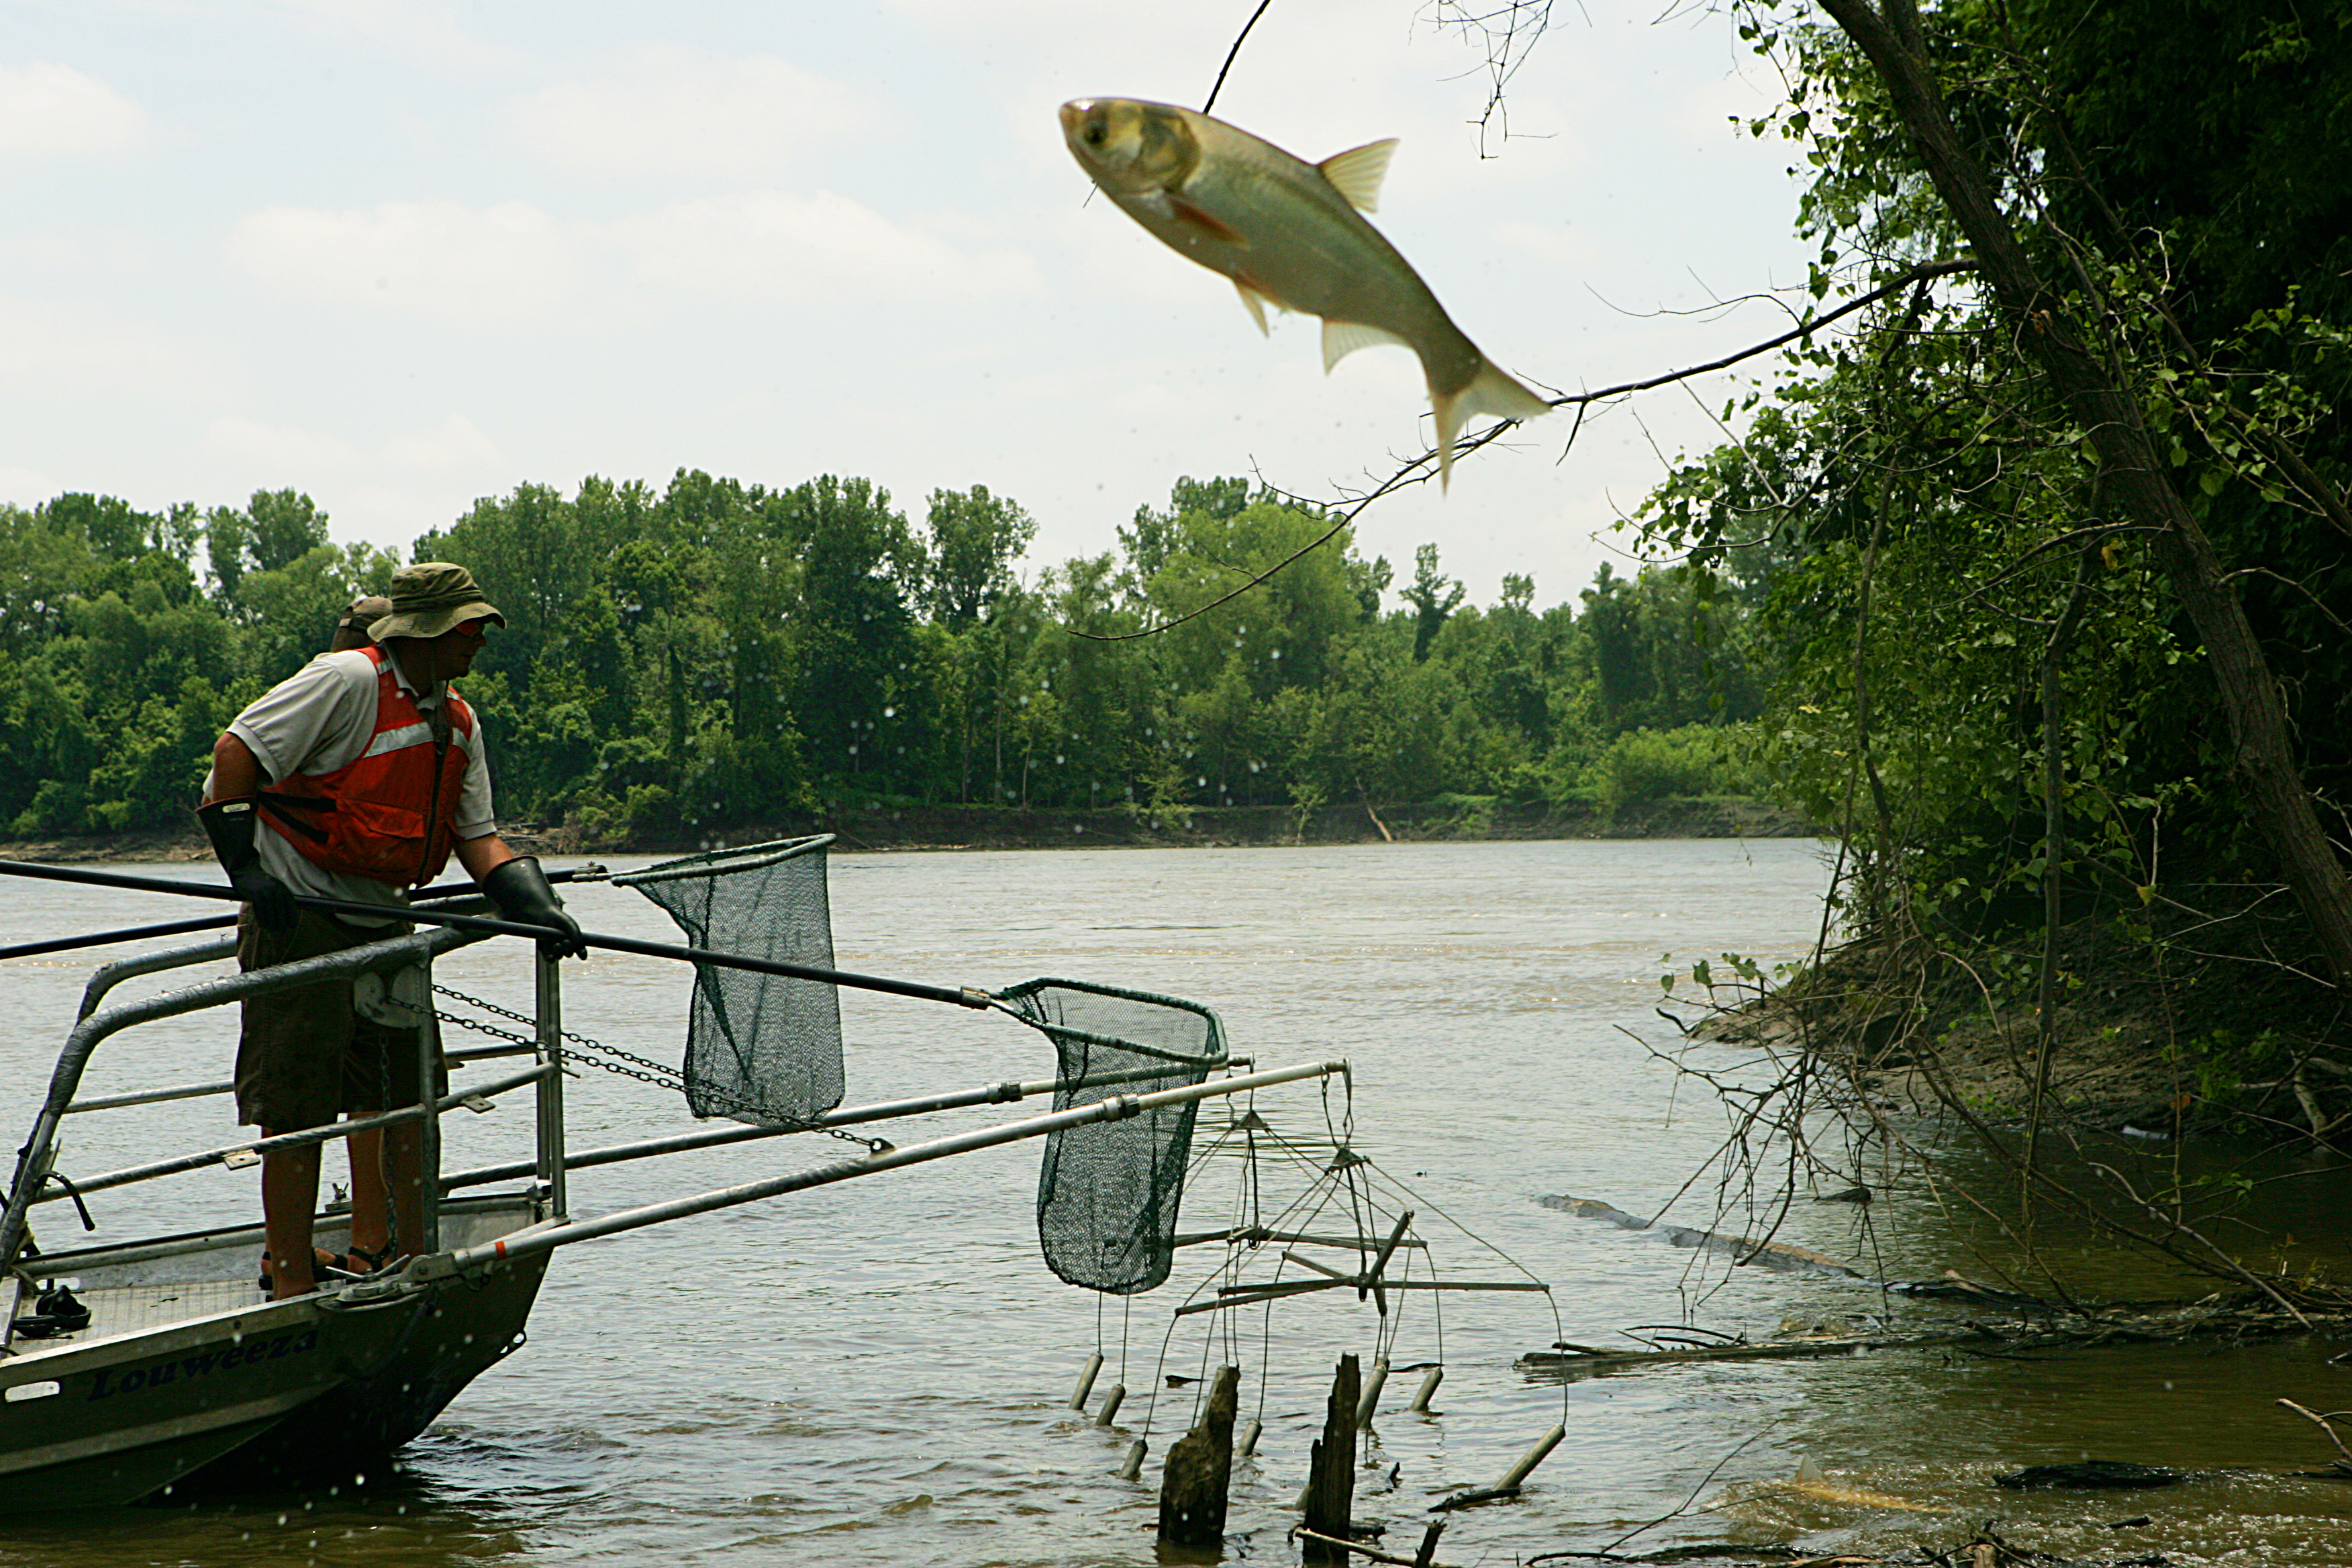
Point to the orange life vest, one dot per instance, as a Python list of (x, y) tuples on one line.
[(388, 814)]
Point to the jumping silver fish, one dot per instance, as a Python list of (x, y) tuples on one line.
[(1288, 233)]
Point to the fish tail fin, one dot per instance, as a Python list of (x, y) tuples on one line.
[(1489, 392)]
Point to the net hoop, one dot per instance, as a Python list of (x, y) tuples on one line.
[(719, 862), (1011, 996)]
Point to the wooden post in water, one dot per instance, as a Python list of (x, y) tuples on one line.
[(1331, 1468), (1429, 1382), (1199, 1468), (1372, 1386), (1086, 1381)]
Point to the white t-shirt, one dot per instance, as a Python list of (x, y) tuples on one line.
[(321, 718)]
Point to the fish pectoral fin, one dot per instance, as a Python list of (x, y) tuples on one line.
[(1356, 174), (1256, 303), (1207, 223), (1342, 339)]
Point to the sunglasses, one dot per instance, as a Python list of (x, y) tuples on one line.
[(477, 627)]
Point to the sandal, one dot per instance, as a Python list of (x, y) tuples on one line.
[(356, 1264), (375, 1260)]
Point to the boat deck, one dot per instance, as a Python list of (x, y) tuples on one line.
[(132, 1308), (148, 1286)]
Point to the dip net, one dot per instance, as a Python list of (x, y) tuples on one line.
[(759, 1047), (1108, 1192)]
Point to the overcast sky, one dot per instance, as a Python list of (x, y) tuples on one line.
[(401, 255)]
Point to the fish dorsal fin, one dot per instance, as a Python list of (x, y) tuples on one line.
[(1809, 1472), (1357, 173), (1257, 303), (1342, 339)]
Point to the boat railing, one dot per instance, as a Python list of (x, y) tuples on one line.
[(224, 1086), (405, 963), (106, 976), (409, 953)]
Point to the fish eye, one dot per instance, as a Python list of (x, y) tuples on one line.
[(1094, 133)]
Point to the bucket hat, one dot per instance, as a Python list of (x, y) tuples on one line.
[(430, 597), (350, 629)]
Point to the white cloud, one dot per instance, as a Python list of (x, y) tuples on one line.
[(455, 444), (48, 108), (278, 448), (387, 489), (438, 258), (434, 35), (512, 263), (674, 112), (25, 487), (822, 249), (66, 346), (1557, 244)]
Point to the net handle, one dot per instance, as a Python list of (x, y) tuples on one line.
[(961, 996), (760, 856)]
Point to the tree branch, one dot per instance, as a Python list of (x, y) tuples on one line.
[(1233, 54), (1420, 469), (1895, 285)]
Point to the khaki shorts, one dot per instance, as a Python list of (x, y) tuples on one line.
[(304, 1055)]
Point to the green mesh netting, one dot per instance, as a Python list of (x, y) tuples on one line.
[(759, 1047), (1108, 1192)]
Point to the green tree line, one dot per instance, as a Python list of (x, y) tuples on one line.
[(715, 653)]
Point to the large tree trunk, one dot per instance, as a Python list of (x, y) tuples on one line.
[(1890, 37)]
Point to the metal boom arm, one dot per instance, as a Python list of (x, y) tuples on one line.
[(1115, 1109)]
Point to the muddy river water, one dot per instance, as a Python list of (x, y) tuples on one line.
[(879, 1373)]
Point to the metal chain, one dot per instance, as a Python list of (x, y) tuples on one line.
[(657, 1074)]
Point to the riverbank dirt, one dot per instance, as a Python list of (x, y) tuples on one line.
[(879, 827), (2181, 1028)]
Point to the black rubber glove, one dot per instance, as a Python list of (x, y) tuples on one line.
[(231, 825), (519, 889)]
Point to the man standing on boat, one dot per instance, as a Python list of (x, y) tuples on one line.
[(354, 779)]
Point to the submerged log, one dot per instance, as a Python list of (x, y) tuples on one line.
[(1309, 1540), (2091, 1475), (2246, 1316), (1331, 1469), (1779, 1254), (1192, 1486)]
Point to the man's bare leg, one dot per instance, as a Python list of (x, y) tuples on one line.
[(370, 1210), (289, 1195)]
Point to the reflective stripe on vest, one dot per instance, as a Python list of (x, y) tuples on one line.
[(388, 814)]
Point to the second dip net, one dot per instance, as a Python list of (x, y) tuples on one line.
[(759, 1047), (1108, 1191)]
